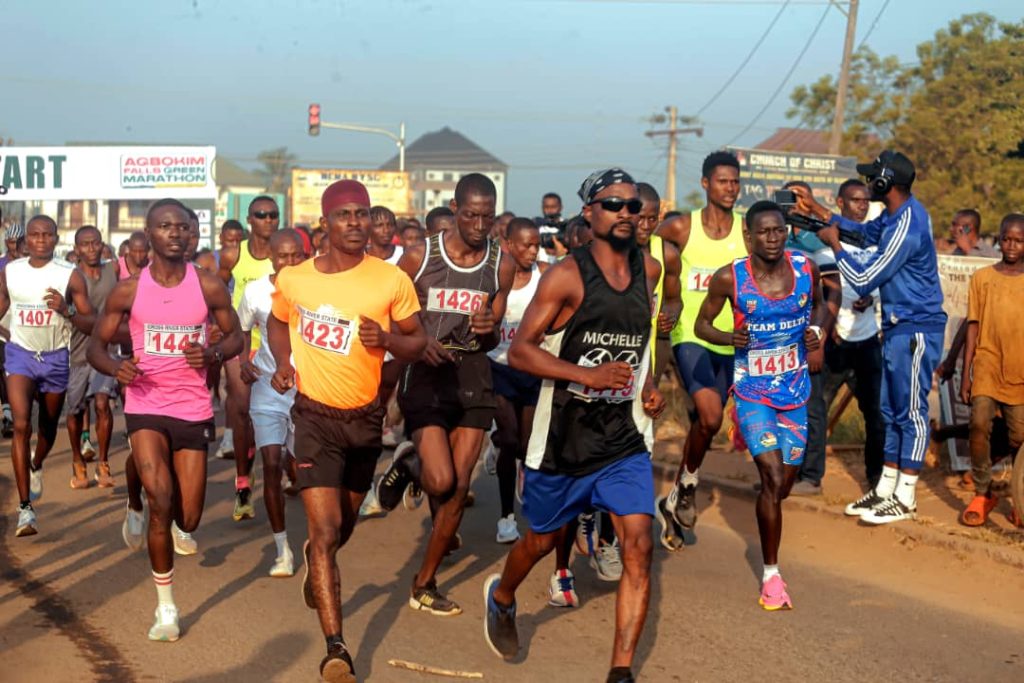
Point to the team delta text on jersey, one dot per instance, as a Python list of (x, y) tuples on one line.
[(772, 369), (578, 430)]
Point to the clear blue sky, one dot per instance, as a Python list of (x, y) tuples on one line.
[(553, 88)]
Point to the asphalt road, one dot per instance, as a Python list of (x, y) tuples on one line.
[(75, 604)]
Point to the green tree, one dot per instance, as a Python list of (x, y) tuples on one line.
[(277, 166)]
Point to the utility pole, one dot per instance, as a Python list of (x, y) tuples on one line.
[(315, 124), (844, 76), (673, 131)]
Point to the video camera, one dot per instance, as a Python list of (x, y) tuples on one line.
[(549, 230), (786, 199)]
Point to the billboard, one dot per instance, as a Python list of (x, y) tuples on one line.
[(763, 171), (386, 188), (70, 173)]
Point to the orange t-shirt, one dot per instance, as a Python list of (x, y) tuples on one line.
[(998, 366), (322, 311)]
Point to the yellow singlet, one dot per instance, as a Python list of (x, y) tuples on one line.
[(245, 271)]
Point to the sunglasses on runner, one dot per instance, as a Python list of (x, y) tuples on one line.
[(615, 204), (263, 215)]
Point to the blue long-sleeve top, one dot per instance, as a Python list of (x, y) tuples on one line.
[(904, 269)]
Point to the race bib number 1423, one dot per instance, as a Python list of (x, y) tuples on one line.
[(325, 332)]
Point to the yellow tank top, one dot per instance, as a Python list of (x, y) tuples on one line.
[(658, 252), (700, 259), (245, 271)]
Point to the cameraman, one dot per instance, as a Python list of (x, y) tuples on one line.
[(905, 270), (552, 228)]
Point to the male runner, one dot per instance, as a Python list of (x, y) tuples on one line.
[(707, 239), (775, 296), (439, 219), (411, 235), (447, 398), (382, 235), (36, 290), (587, 333), (135, 258), (168, 412), (14, 235), (248, 262), (270, 411), (85, 383), (335, 314)]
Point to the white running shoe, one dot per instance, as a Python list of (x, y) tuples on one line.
[(371, 506), (184, 544), (226, 450), (284, 565), (607, 562), (35, 484), (26, 522), (165, 628), (133, 527), (490, 457), (508, 531), (88, 450)]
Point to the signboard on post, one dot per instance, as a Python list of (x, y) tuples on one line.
[(94, 173), (764, 171), (386, 188)]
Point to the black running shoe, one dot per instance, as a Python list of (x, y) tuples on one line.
[(863, 504), (429, 599), (686, 505), (391, 487), (620, 674), (671, 533), (500, 622), (337, 667)]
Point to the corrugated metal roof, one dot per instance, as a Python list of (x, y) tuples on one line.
[(446, 148), (796, 140)]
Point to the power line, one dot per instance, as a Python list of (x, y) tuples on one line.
[(747, 59), (873, 25), (785, 78)]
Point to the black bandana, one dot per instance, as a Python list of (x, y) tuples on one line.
[(598, 180)]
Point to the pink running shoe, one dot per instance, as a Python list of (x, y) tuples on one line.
[(774, 595)]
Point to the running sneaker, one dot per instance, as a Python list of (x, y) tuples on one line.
[(429, 599), (586, 534), (337, 666), (499, 622), (620, 675), (243, 505), (370, 506), (607, 562), (774, 595), (490, 457), (165, 628), (184, 544), (863, 504), (508, 532), (562, 589), (685, 510), (307, 584), (413, 496), (889, 510), (88, 450), (133, 527), (284, 566), (8, 422), (671, 533), (391, 487), (226, 450), (35, 483), (26, 522)]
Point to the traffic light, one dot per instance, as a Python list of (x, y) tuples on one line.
[(314, 119)]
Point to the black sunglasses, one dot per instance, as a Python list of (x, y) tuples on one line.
[(615, 204), (263, 215)]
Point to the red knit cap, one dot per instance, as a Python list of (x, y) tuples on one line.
[(344, 192)]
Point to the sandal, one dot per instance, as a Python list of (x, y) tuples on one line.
[(102, 476), (977, 511), (81, 478)]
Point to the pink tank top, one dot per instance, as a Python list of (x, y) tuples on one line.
[(163, 322), (122, 273)]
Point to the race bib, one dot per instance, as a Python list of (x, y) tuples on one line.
[(771, 362), (699, 278), (622, 395), (172, 340), (508, 332), (451, 300), (325, 332), (34, 315)]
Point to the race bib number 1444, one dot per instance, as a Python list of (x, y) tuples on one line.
[(172, 340)]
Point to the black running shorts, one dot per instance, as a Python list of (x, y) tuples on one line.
[(182, 435), (335, 447), (459, 394)]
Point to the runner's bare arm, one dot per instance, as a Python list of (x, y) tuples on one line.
[(558, 295), (215, 292), (106, 331), (78, 293), (676, 230), (228, 260), (412, 259), (671, 289), (486, 322), (207, 261), (719, 291), (5, 299), (281, 349), (407, 345)]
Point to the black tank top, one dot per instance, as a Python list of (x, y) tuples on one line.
[(449, 294), (577, 430)]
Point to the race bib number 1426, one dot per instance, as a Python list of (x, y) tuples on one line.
[(452, 300)]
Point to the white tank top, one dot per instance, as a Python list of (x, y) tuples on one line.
[(518, 300), (34, 327), (395, 256)]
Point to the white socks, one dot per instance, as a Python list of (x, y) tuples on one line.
[(281, 541), (164, 592), (886, 485), (770, 570), (906, 490)]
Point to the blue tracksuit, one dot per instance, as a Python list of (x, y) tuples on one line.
[(905, 271)]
